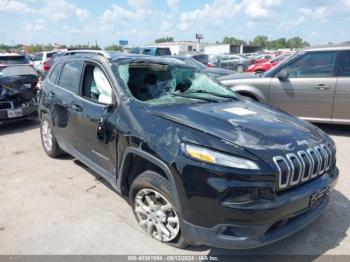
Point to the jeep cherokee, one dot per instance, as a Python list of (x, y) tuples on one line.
[(199, 164)]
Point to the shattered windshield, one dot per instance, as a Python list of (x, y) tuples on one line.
[(162, 83)]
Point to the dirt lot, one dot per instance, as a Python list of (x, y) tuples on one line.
[(60, 207)]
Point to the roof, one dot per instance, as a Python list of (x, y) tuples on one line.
[(114, 56), (328, 47), (10, 54)]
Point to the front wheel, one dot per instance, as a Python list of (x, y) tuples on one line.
[(154, 209), (48, 139)]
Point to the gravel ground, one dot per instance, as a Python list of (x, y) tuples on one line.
[(52, 206)]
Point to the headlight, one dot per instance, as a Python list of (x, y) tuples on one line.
[(213, 157)]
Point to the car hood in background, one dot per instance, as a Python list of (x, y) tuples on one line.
[(219, 71)]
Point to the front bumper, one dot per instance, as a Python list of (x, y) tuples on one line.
[(285, 215)]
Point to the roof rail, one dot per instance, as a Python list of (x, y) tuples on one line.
[(88, 51)]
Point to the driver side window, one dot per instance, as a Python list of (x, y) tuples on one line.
[(312, 65), (96, 86)]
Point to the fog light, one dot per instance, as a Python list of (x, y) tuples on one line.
[(241, 196)]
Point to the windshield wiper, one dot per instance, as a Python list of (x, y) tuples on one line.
[(194, 97), (211, 93)]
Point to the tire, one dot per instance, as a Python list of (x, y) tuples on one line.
[(153, 207), (258, 72), (240, 68), (48, 140)]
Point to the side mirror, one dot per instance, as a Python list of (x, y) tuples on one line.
[(282, 75), (102, 132)]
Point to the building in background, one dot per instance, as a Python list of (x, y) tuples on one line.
[(181, 47), (213, 49)]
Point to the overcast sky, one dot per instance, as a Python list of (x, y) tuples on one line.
[(142, 21)]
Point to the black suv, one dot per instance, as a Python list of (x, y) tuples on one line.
[(200, 164)]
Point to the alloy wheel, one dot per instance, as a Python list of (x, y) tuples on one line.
[(156, 215), (46, 133)]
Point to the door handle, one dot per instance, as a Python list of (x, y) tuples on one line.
[(77, 108), (322, 87)]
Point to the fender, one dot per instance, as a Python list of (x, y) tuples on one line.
[(137, 151), (42, 110)]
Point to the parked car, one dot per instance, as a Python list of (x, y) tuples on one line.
[(18, 93), (214, 72), (263, 58), (191, 155), (39, 60), (312, 84), (11, 59), (155, 51), (237, 63), (266, 66)]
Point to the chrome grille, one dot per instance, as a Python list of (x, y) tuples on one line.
[(294, 169)]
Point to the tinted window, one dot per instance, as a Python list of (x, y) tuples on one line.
[(13, 60), (345, 65), (313, 65), (163, 51), (146, 51), (55, 73), (49, 55), (96, 86), (70, 76)]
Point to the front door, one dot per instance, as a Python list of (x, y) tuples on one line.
[(308, 86), (93, 107)]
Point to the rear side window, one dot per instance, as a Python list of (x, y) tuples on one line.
[(320, 64), (38, 57), (13, 60), (345, 64), (55, 73), (70, 76)]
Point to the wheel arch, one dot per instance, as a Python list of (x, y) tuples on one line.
[(128, 173), (251, 91)]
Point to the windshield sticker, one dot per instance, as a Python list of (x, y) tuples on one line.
[(240, 111)]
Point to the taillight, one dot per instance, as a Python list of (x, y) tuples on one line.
[(211, 65), (47, 66)]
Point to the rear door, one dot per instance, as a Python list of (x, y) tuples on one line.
[(308, 90), (62, 97), (91, 108), (341, 108)]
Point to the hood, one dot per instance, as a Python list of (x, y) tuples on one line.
[(259, 129)]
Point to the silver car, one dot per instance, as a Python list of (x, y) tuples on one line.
[(313, 84)]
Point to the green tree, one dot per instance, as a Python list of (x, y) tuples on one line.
[(296, 42), (233, 41), (277, 44), (260, 41), (114, 48), (164, 39)]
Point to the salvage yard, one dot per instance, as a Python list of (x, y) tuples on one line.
[(60, 207)]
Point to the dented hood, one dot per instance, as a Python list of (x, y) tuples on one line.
[(258, 128)]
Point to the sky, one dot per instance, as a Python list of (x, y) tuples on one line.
[(142, 21)]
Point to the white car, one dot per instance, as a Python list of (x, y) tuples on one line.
[(39, 59)]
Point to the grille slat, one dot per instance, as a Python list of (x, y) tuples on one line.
[(294, 169)]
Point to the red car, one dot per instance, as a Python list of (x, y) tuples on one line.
[(263, 67), (263, 58)]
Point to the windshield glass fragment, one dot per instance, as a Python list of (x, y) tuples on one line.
[(161, 83)]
